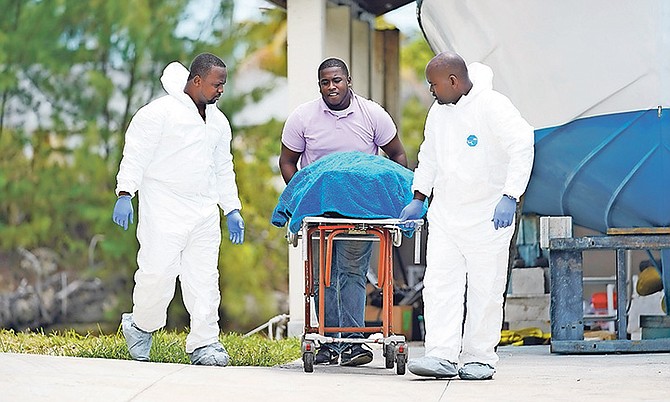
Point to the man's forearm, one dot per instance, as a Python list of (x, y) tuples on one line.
[(287, 172)]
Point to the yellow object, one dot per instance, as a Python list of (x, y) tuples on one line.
[(663, 305), (517, 337), (649, 281), (508, 337)]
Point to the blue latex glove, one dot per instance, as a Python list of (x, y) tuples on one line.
[(235, 226), (123, 212), (412, 211), (504, 213)]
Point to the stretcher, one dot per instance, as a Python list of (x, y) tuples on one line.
[(388, 233)]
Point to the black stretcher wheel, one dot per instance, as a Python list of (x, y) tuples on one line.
[(308, 362), (401, 361), (389, 354)]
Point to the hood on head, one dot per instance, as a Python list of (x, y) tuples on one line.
[(481, 76), (174, 78)]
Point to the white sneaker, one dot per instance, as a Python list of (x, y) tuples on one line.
[(211, 355), (429, 366), (476, 371), (138, 341)]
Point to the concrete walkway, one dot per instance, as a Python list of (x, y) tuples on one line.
[(526, 373)]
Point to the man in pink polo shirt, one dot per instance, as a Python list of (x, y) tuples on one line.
[(340, 121)]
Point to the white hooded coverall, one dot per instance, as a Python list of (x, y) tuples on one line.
[(473, 152), (182, 168)]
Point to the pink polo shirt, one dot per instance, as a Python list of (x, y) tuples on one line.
[(315, 130)]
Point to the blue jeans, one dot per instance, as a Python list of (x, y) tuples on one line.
[(345, 298)]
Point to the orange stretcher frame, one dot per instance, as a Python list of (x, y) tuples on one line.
[(327, 233), (328, 230)]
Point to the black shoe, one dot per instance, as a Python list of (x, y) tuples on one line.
[(326, 355), (356, 355)]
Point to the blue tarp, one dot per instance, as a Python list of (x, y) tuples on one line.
[(349, 184)]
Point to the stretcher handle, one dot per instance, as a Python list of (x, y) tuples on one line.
[(329, 252)]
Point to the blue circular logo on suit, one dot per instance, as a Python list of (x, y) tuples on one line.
[(472, 140)]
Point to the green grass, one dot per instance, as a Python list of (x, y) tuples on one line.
[(167, 347)]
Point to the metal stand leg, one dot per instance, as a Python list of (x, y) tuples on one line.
[(621, 295), (567, 310)]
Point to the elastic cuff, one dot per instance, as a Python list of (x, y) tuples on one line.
[(510, 197)]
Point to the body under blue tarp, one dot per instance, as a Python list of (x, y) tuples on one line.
[(348, 184)]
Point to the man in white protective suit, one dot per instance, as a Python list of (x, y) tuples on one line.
[(476, 160), (177, 157)]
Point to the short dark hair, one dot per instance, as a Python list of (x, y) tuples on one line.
[(333, 62), (202, 63)]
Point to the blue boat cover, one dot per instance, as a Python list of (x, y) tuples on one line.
[(349, 184)]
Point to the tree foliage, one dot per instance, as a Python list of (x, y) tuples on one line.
[(72, 73), (414, 55)]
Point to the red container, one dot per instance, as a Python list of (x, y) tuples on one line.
[(599, 300)]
